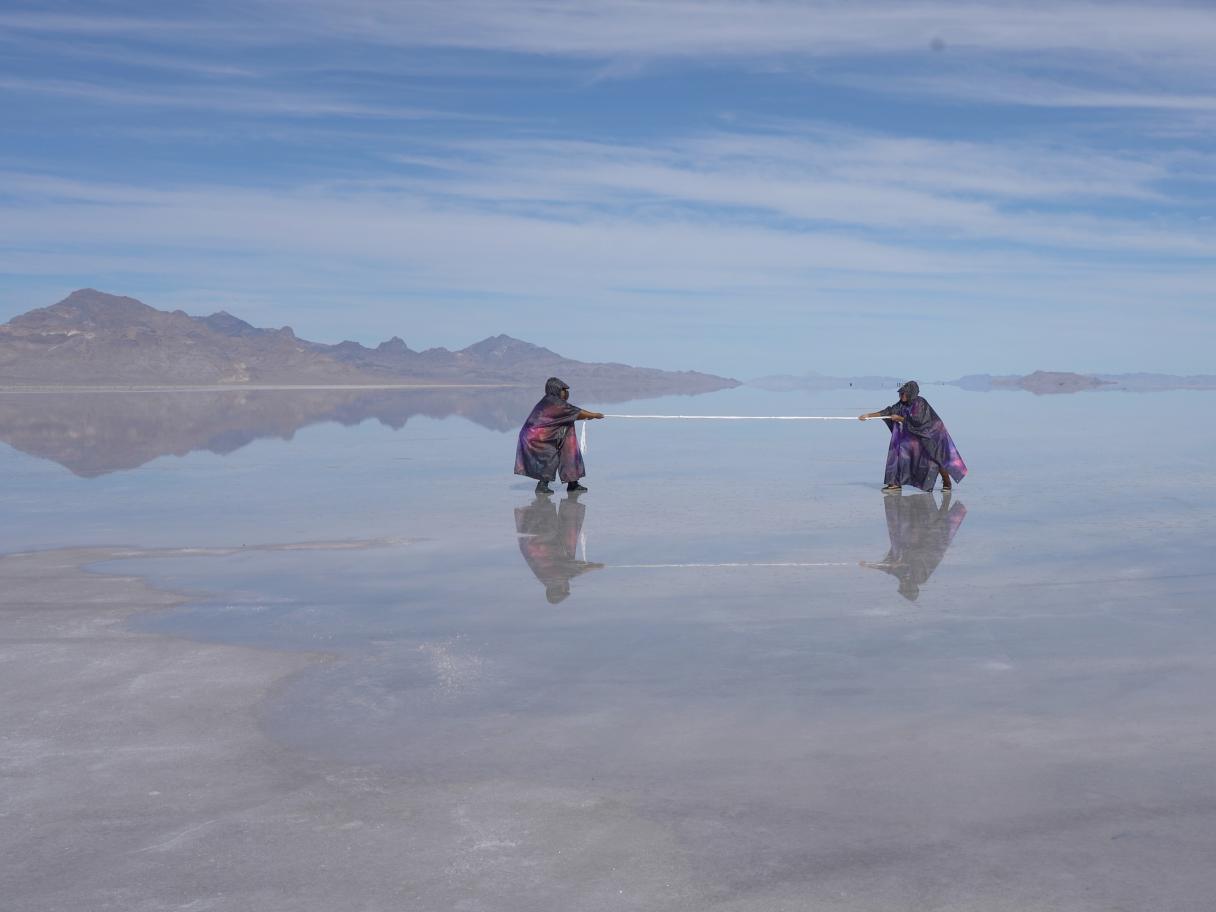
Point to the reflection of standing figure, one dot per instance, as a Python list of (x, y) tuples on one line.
[(921, 447), (548, 540), (920, 533), (547, 442)]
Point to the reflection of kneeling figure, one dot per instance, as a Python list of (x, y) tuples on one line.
[(920, 533), (548, 540)]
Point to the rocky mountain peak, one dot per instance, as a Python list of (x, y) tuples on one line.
[(504, 349), (89, 309), (226, 324), (394, 346)]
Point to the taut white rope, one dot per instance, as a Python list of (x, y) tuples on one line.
[(738, 564), (744, 417), (582, 437)]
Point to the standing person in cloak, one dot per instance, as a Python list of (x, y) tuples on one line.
[(921, 448), (548, 446)]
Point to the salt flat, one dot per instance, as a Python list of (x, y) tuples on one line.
[(733, 676)]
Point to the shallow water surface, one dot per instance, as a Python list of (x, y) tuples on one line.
[(755, 681)]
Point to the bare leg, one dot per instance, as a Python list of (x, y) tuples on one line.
[(946, 485)]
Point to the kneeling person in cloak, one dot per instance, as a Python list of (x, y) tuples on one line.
[(548, 446)]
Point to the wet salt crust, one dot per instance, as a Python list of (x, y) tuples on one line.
[(1006, 707)]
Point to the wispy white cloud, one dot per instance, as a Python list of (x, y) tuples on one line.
[(1061, 91), (1111, 55), (232, 100), (1131, 56), (911, 191), (93, 23), (682, 27), (719, 211), (773, 220), (1122, 39), (742, 27), (192, 62), (232, 23)]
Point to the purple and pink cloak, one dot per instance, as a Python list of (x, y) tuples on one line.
[(920, 444)]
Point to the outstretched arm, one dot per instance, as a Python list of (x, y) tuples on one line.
[(584, 415), (883, 414)]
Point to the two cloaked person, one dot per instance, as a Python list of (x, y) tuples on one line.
[(921, 448), (548, 445), (920, 451)]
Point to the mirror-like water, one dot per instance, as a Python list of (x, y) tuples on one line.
[(776, 686)]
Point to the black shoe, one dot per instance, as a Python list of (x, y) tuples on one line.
[(542, 487), (574, 487)]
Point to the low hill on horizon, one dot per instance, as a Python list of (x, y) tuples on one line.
[(1040, 382), (92, 338)]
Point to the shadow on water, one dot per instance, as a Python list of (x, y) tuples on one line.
[(921, 531), (548, 540)]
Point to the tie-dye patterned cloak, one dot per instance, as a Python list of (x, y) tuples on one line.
[(548, 445), (920, 444)]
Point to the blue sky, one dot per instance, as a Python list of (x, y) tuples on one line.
[(912, 188)]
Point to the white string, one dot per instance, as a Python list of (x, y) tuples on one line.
[(582, 441), (744, 417), (745, 564)]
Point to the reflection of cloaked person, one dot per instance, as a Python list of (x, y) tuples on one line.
[(547, 442), (921, 448), (920, 533), (548, 539)]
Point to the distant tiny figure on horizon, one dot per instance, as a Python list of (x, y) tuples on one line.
[(921, 448), (548, 445)]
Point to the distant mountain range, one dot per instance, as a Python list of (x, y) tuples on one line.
[(1047, 382), (1040, 383), (95, 339)]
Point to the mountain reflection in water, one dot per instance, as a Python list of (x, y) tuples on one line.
[(96, 433)]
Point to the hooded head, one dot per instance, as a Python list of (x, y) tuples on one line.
[(557, 591), (910, 390), (554, 387)]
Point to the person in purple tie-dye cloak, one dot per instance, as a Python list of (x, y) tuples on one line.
[(921, 448), (548, 445)]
